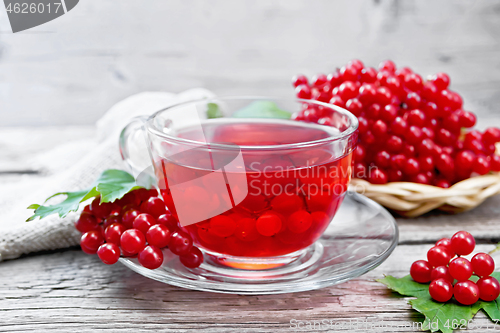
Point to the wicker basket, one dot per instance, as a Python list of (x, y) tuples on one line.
[(412, 199)]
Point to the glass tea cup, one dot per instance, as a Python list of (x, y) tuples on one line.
[(254, 190)]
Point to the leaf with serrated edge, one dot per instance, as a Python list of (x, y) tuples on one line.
[(406, 286), (439, 315), (114, 184), (69, 204), (111, 185)]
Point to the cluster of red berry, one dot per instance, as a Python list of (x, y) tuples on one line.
[(441, 271), (137, 225), (409, 129)]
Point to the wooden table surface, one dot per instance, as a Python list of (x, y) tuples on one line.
[(69, 291)]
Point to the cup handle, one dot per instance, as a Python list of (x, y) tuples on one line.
[(133, 130)]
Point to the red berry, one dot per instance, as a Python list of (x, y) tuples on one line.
[(319, 80), (334, 79), (409, 151), (420, 271), (222, 226), (154, 206), (246, 230), (411, 167), (495, 163), (336, 100), (86, 222), (368, 75), (465, 159), (481, 165), (114, 232), (463, 243), (298, 222), (416, 118), (445, 164), (489, 288), (383, 159), (426, 163), (91, 240), (363, 125), (109, 253), (110, 220), (354, 106), (150, 257), (399, 126), (193, 258), (129, 217), (445, 137), (421, 178), (169, 221), (303, 91), (100, 210), (384, 96), (158, 235), (180, 243), (348, 90), (395, 175), (373, 111), (350, 73), (143, 222), (467, 119), (269, 224), (298, 80), (466, 292), (491, 135), (132, 241), (377, 176), (394, 144), (446, 243), (482, 264), (387, 65), (441, 80), (398, 161), (359, 153), (460, 268), (430, 91), (443, 183), (367, 93), (379, 128), (413, 82), (438, 256), (414, 135), (412, 100), (389, 113), (441, 290), (441, 272)]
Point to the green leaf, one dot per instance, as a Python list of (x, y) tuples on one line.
[(111, 185), (114, 184), (492, 308), (262, 109), (213, 111), (69, 204), (444, 317), (406, 286)]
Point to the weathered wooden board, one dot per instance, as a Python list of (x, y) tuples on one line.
[(72, 291)]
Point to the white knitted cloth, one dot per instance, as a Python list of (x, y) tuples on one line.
[(18, 237)]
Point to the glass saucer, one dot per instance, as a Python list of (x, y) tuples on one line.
[(360, 237)]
